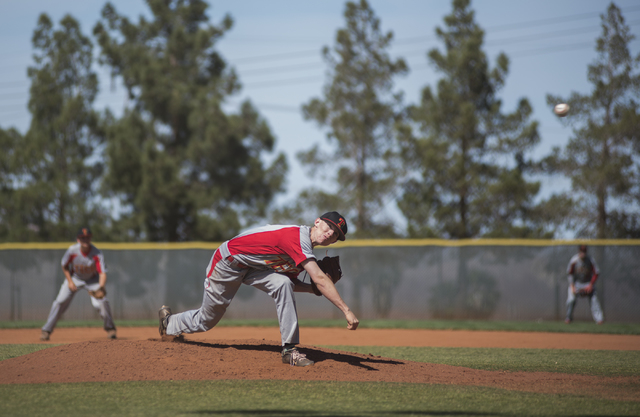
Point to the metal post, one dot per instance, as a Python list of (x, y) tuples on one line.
[(556, 280)]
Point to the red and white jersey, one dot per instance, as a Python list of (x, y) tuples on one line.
[(83, 266), (582, 270), (277, 247)]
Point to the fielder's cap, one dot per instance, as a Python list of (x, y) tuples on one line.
[(334, 218), (84, 232), (582, 248)]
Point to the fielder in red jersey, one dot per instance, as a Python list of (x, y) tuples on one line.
[(84, 269)]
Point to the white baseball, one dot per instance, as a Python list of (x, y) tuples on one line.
[(561, 109)]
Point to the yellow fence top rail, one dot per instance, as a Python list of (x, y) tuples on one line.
[(347, 244)]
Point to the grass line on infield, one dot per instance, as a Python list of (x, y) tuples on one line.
[(12, 351), (520, 326), (589, 362), (268, 398)]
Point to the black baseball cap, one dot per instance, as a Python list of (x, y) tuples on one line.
[(84, 232), (334, 218), (582, 248)]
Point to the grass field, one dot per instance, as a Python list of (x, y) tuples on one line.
[(292, 398), (520, 326)]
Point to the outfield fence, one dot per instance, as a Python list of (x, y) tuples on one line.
[(394, 279)]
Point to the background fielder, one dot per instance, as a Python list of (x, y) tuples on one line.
[(582, 273), (84, 269)]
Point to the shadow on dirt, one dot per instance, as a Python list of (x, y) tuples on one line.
[(315, 354)]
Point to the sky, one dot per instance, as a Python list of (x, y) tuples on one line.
[(275, 47)]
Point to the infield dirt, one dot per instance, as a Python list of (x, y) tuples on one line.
[(139, 355)]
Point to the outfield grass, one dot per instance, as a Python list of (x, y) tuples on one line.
[(521, 326), (588, 362), (293, 398)]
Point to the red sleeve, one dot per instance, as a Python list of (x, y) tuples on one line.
[(69, 261), (96, 259)]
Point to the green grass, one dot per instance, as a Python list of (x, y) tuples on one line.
[(522, 326), (293, 398), (588, 362), (12, 351)]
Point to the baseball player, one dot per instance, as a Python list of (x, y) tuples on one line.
[(84, 269), (268, 258), (582, 274)]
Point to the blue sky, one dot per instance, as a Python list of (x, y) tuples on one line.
[(275, 47)]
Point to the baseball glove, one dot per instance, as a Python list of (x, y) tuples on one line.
[(99, 293), (330, 265), (584, 292)]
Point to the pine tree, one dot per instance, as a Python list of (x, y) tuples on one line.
[(183, 168), (359, 110), (461, 186), (55, 176), (10, 226), (601, 156)]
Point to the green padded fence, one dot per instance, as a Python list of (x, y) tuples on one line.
[(396, 279)]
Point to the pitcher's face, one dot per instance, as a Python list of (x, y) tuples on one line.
[(325, 234)]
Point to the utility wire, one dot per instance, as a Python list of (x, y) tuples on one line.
[(492, 42), (303, 80), (531, 23), (313, 80)]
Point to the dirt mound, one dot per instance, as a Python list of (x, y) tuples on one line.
[(155, 359)]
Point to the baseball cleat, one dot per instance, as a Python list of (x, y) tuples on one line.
[(111, 334), (44, 336), (293, 357), (163, 315)]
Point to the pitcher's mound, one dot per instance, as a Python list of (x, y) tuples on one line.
[(177, 359)]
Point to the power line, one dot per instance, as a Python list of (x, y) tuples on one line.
[(289, 81), (13, 83), (548, 35), (551, 49), (286, 68), (521, 53), (560, 19), (316, 79), (531, 23)]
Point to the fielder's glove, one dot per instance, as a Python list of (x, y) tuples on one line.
[(99, 293), (584, 292), (330, 265)]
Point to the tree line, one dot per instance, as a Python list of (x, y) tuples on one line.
[(178, 167)]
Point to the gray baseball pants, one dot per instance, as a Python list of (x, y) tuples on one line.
[(221, 287), (596, 310), (65, 296)]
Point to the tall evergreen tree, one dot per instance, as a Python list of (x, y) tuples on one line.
[(601, 158), (55, 176), (359, 110), (183, 169), (462, 187), (10, 225)]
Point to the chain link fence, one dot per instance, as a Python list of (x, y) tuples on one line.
[(393, 279)]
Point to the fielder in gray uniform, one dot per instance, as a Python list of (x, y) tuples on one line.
[(269, 258), (84, 269), (582, 274)]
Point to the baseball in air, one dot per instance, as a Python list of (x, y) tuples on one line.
[(561, 109)]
